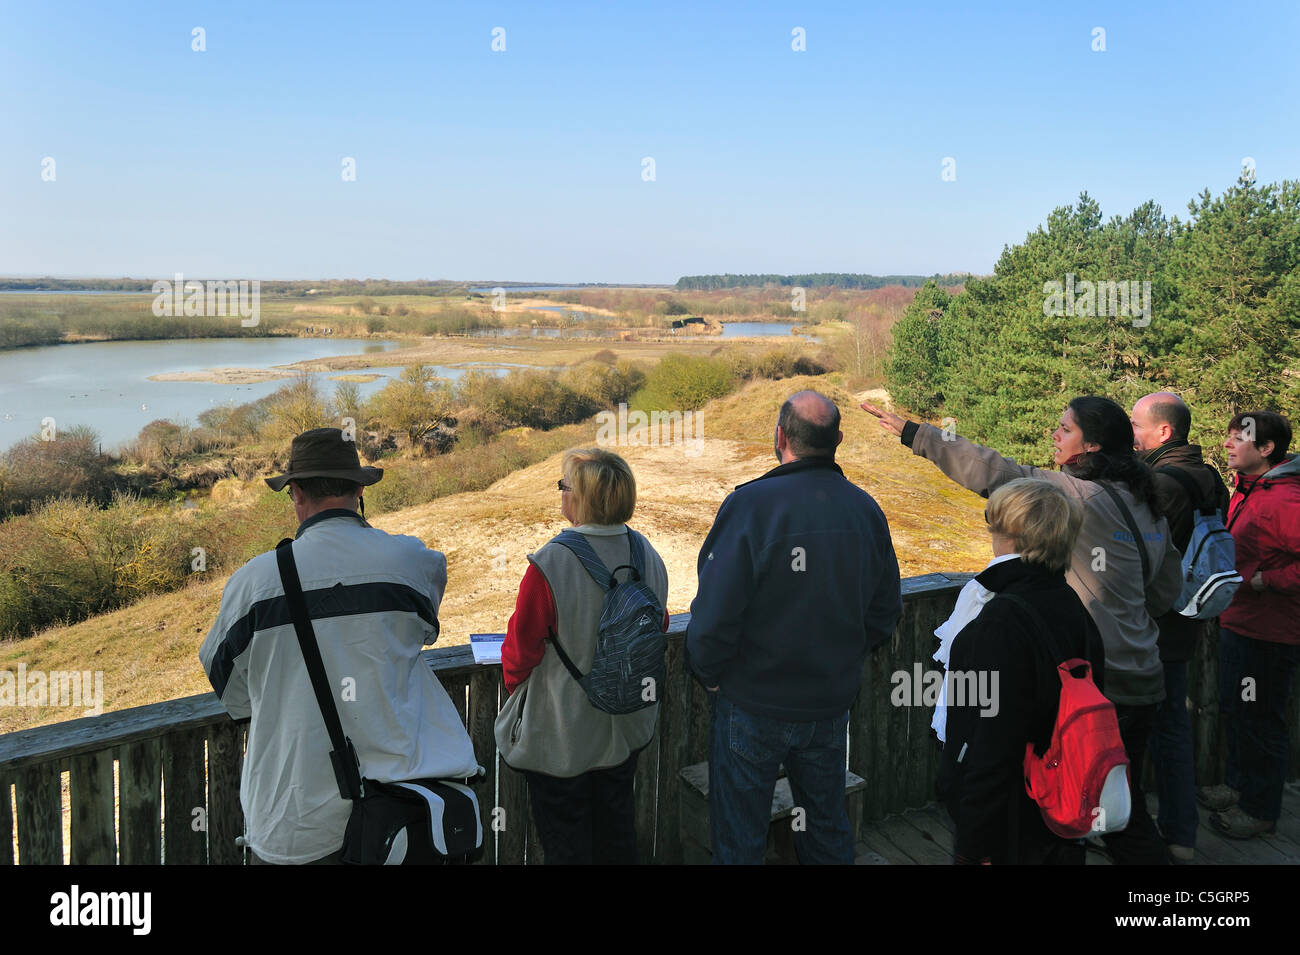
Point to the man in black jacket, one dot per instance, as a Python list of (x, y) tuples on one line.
[(797, 582), (1184, 483)]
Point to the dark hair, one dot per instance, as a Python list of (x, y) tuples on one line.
[(1173, 413), (809, 440), (1103, 422), (319, 488), (1269, 426)]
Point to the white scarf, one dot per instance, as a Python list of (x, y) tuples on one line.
[(970, 602)]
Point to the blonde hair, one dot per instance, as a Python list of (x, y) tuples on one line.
[(1041, 520), (604, 490)]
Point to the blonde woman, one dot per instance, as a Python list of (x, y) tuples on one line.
[(579, 761), (1033, 526)]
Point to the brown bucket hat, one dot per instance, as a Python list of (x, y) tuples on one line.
[(322, 452)]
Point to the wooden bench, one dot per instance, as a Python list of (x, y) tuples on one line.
[(780, 834)]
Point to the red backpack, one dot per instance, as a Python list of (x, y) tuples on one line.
[(1081, 782)]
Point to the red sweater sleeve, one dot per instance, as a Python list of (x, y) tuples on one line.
[(529, 626)]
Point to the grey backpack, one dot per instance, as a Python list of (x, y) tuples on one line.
[(628, 670), (1210, 578)]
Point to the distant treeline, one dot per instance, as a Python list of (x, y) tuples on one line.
[(704, 283), (268, 287), (1208, 308), (24, 323)]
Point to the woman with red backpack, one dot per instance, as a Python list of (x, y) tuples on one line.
[(1033, 622)]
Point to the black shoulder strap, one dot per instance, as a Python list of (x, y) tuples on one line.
[(344, 758), (1138, 539), (1189, 487), (564, 657)]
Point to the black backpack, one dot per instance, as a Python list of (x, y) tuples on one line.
[(628, 669)]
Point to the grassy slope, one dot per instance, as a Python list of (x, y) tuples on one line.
[(148, 651)]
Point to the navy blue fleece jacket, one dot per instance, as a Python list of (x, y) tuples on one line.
[(797, 582)]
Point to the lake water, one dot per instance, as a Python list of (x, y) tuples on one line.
[(573, 314), (106, 384), (64, 291), (755, 329), (511, 289), (518, 331)]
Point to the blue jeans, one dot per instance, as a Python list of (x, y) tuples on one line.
[(745, 754), (1171, 757), (1256, 727)]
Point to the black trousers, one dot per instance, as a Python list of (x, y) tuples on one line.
[(1140, 843), (586, 819)]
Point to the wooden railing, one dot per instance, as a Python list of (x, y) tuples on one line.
[(160, 783)]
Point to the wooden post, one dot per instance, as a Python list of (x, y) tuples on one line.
[(512, 799), (40, 815), (883, 716), (457, 688), (225, 814), (1203, 689), (644, 794), (141, 802), (6, 822), (485, 688), (862, 742), (671, 733), (94, 841), (698, 722), (934, 750), (916, 718), (183, 768)]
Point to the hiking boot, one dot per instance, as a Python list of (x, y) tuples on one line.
[(1181, 855), (1217, 798), (1236, 824)]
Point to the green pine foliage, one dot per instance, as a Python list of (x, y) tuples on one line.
[(1139, 303), (913, 366)]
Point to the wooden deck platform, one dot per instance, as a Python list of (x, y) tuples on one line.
[(924, 837)]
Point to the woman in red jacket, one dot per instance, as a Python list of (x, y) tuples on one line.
[(579, 761), (1259, 633)]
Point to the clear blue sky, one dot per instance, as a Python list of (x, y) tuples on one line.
[(527, 164)]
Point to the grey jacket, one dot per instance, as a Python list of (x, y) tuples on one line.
[(1105, 569)]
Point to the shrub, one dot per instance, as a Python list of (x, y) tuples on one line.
[(348, 402), (416, 404), (70, 559), (33, 470), (293, 409), (684, 383)]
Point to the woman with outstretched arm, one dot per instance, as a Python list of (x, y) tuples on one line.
[(1122, 591)]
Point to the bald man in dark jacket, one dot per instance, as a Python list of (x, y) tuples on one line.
[(798, 581), (1184, 483)]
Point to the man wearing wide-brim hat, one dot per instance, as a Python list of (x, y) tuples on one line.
[(324, 473), (373, 600)]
